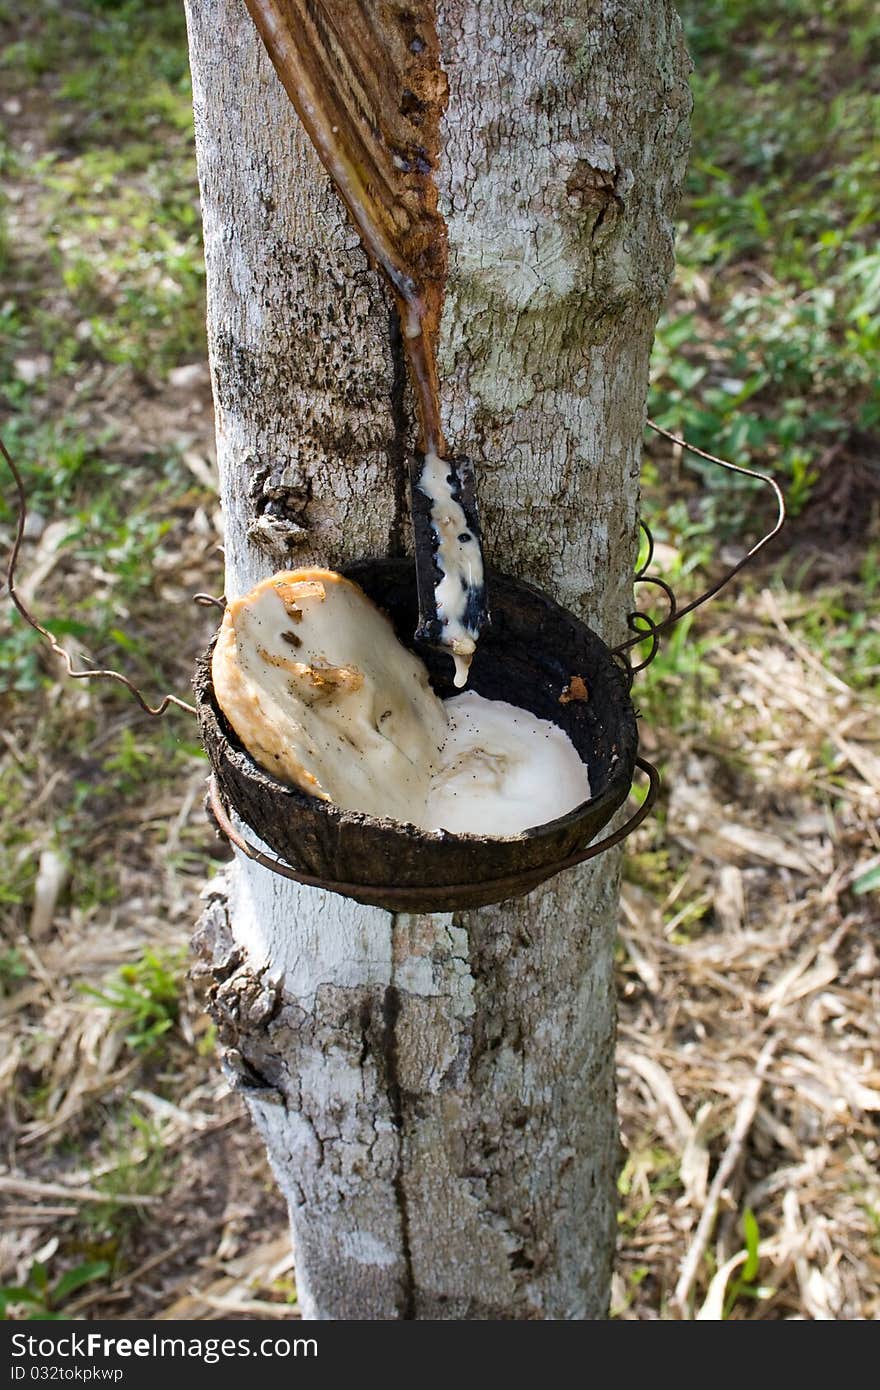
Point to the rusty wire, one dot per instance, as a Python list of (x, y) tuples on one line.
[(94, 674), (652, 631), (645, 628)]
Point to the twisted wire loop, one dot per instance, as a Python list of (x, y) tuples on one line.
[(641, 623), (24, 611), (404, 897)]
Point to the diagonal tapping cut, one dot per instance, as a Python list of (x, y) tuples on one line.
[(365, 79)]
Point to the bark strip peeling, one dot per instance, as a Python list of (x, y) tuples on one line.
[(365, 79)]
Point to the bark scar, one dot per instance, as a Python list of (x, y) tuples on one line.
[(599, 190), (397, 448), (390, 1015)]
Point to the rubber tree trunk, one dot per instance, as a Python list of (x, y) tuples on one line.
[(437, 1093)]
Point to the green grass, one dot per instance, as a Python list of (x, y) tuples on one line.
[(744, 1285), (118, 194), (137, 1163), (675, 691), (14, 971), (92, 810), (649, 1173), (42, 1298), (843, 626), (770, 352), (106, 293), (146, 996), (103, 294)]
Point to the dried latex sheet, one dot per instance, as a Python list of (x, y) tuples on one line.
[(316, 685), (313, 680)]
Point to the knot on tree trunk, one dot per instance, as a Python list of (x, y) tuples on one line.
[(599, 189), (242, 1002)]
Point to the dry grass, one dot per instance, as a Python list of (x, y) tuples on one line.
[(749, 1046)]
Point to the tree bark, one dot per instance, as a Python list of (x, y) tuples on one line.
[(437, 1093)]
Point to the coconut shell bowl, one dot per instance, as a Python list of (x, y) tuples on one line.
[(535, 655)]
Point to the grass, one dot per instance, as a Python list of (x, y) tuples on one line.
[(116, 275), (770, 350), (676, 690), (647, 1173), (107, 296), (41, 1298), (138, 1164), (146, 995), (745, 1284)]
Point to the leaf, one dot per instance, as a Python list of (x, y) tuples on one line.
[(868, 881), (752, 1237), (69, 627), (124, 640), (14, 1293), (75, 1278)]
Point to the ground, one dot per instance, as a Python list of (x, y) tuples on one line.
[(131, 1182)]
